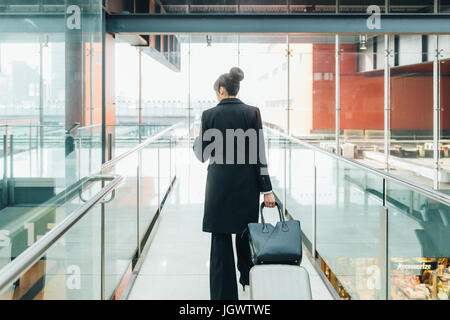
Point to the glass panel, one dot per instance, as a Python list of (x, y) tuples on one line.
[(89, 150), (149, 188), (127, 84), (311, 84), (92, 40), (362, 98), (34, 67), (125, 137), (418, 233), (300, 186), (165, 96), (265, 87), (121, 224), (323, 92), (70, 269), (222, 55), (301, 85), (165, 173), (348, 227), (275, 147), (411, 118)]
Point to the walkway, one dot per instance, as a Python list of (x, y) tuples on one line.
[(177, 264)]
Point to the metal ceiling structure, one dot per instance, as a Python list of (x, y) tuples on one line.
[(277, 23)]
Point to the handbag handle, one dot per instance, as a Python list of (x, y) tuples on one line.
[(279, 212)]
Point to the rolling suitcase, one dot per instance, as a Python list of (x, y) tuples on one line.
[(279, 282)]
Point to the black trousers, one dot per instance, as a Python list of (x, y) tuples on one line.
[(222, 270)]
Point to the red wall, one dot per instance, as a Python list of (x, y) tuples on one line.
[(362, 94)]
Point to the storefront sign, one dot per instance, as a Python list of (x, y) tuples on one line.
[(411, 265)]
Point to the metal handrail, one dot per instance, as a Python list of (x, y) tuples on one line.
[(140, 146), (13, 270), (433, 194), (19, 122)]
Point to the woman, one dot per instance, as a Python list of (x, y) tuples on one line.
[(231, 138)]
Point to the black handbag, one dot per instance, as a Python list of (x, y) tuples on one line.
[(279, 244)]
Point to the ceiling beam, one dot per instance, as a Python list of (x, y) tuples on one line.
[(276, 23), (233, 23)]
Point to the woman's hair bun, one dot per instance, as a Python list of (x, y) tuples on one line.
[(236, 74)]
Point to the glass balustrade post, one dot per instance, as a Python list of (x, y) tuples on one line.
[(287, 130), (159, 183), (170, 161), (314, 209), (337, 89), (11, 169), (383, 253), (91, 131), (411, 202), (290, 168), (91, 77), (366, 195), (30, 151), (102, 249), (384, 246), (41, 93), (436, 112), (174, 161), (140, 94), (5, 169), (109, 146), (387, 101), (138, 200), (79, 157), (39, 165), (189, 97)]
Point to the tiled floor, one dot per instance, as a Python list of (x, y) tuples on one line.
[(177, 263)]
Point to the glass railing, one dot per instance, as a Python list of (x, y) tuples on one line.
[(37, 162), (88, 146), (374, 235), (123, 137), (97, 230), (30, 155)]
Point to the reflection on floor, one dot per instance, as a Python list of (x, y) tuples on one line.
[(177, 263)]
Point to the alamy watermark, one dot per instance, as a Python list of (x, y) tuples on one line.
[(374, 20), (235, 147)]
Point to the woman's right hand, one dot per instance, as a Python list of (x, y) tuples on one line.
[(269, 200)]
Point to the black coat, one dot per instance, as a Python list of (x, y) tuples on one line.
[(232, 190)]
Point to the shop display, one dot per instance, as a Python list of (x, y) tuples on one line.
[(420, 279)]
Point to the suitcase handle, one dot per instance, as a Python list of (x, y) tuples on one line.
[(283, 222)]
